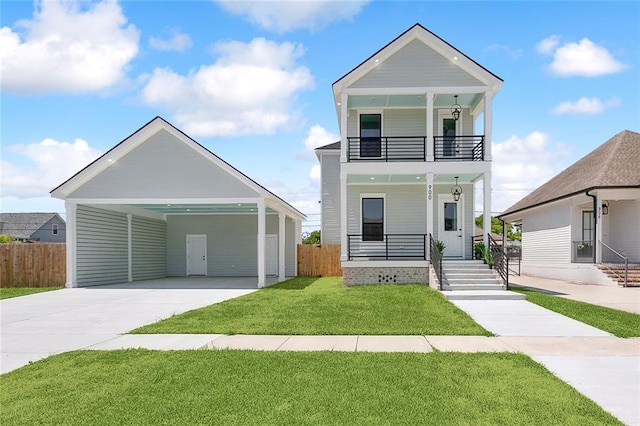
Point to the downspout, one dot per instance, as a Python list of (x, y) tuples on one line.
[(595, 223)]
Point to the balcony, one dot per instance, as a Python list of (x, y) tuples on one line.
[(413, 148), (389, 247)]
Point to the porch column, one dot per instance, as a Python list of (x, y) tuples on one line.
[(343, 217), (262, 241), (486, 204), (72, 238), (298, 239), (488, 136), (430, 216), (599, 225), (430, 130), (129, 248), (344, 111), (281, 246)]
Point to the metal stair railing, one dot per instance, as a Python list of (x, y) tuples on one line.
[(435, 258), (500, 260), (623, 257)]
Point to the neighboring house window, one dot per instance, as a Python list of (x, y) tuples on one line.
[(373, 219), (370, 135), (587, 225), (55, 229)]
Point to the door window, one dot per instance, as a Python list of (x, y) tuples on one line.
[(587, 225), (372, 219), (450, 216), (370, 135), (449, 133)]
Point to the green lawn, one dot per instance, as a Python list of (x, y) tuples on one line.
[(312, 306), (7, 292), (251, 387), (618, 323)]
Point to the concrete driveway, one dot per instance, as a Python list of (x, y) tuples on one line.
[(37, 326)]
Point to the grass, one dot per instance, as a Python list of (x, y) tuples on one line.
[(7, 292), (618, 323), (250, 387), (313, 306)]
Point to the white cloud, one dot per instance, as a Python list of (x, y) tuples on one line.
[(250, 89), (283, 16), (548, 45), (317, 136), (315, 175), (179, 42), (510, 52), (66, 49), (584, 59), (520, 165), (585, 106), (44, 166)]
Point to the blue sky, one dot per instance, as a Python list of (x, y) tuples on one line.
[(252, 82)]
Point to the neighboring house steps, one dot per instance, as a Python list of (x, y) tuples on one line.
[(616, 273), (473, 280)]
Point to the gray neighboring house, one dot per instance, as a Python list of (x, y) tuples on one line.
[(159, 204), (34, 227), (579, 219)]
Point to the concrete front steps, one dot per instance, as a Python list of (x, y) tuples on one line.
[(473, 280)]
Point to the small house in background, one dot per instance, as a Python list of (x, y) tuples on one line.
[(583, 225), (34, 227)]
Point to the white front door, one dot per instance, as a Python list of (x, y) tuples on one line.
[(271, 264), (450, 225), (197, 254)]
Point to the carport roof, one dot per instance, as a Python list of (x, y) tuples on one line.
[(144, 133)]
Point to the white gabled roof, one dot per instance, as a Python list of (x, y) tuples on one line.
[(430, 39), (157, 124)]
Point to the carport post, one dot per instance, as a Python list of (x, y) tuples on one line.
[(71, 239), (262, 242)]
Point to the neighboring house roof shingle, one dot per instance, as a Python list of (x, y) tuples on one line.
[(335, 145), (23, 225), (614, 164)]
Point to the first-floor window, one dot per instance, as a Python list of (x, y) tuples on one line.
[(587, 226), (373, 219), (55, 229)]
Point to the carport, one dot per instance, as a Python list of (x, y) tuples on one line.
[(159, 204)]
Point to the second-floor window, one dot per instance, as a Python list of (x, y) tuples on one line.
[(370, 135), (55, 229)]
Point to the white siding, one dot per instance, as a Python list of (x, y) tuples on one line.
[(163, 167), (102, 247), (149, 248), (330, 201), (399, 70), (546, 234), (625, 228)]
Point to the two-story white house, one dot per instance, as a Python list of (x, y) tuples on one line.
[(415, 138)]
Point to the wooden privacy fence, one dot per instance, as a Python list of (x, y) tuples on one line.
[(33, 265), (319, 260)]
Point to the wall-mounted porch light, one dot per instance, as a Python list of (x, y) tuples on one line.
[(456, 109), (456, 191), (605, 207)]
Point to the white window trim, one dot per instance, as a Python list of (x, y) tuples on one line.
[(446, 113), (371, 111), (54, 229), (384, 210)]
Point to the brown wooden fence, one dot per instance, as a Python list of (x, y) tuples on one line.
[(33, 265), (319, 260)]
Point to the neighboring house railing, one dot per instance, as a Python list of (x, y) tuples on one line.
[(389, 247), (458, 148), (435, 259), (500, 260), (387, 148), (619, 256), (582, 251)]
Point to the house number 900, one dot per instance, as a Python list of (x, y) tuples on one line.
[(429, 193)]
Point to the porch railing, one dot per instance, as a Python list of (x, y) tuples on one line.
[(388, 247), (619, 257), (582, 251), (458, 148), (387, 148), (435, 259), (500, 260)]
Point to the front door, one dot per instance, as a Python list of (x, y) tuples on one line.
[(450, 225), (197, 254)]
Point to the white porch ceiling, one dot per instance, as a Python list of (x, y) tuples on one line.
[(466, 100)]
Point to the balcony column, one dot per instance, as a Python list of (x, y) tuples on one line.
[(430, 130), (486, 205), (343, 217), (430, 216), (488, 137), (344, 110)]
